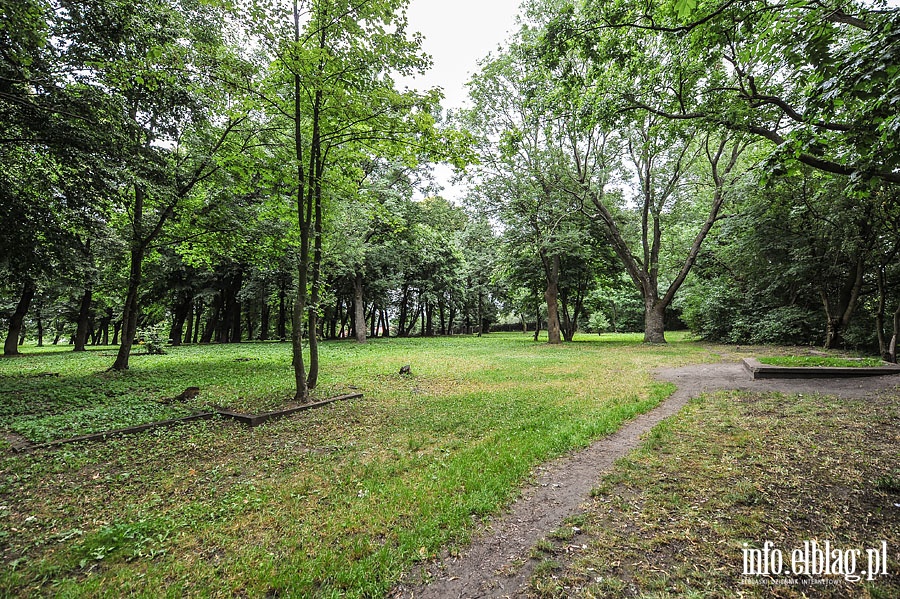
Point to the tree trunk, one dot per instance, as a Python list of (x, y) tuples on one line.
[(312, 377), (104, 325), (838, 317), (189, 332), (480, 313), (281, 326), (359, 309), (654, 321), (567, 329), (551, 296), (429, 319), (404, 308), (422, 308), (40, 323), (180, 314), (345, 323), (251, 326), (879, 316), (264, 316), (81, 331), (11, 346), (213, 322), (892, 346), (198, 318), (451, 316), (131, 308)]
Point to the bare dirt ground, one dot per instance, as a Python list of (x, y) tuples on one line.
[(497, 564)]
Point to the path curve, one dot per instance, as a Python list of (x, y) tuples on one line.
[(497, 565)]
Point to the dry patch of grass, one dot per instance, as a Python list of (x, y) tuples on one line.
[(732, 471)]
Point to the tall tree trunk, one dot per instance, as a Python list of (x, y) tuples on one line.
[(265, 315), (251, 326), (312, 377), (567, 332), (480, 312), (180, 313), (104, 326), (359, 309), (423, 307), (131, 308), (39, 316), (189, 321), (879, 316), (551, 296), (81, 331), (213, 323), (11, 346), (198, 318), (281, 325), (892, 346), (429, 319), (838, 316), (451, 316)]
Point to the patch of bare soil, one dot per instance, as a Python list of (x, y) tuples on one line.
[(497, 564)]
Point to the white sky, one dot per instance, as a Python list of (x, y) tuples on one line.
[(457, 34)]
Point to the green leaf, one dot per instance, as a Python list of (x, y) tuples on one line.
[(684, 8)]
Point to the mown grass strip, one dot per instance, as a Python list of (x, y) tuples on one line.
[(821, 361), (735, 470)]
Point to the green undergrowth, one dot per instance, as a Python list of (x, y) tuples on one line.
[(730, 472), (335, 502), (833, 362)]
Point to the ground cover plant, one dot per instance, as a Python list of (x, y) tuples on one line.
[(829, 361), (732, 468), (334, 502)]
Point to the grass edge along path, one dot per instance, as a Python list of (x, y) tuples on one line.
[(732, 468), (336, 503)]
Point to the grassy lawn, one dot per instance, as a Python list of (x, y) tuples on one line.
[(832, 362), (735, 468), (334, 502)]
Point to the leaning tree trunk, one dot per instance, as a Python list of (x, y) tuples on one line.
[(359, 309), (130, 311), (838, 317), (11, 346)]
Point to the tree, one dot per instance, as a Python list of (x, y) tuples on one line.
[(336, 64), (520, 178), (812, 77), (665, 155)]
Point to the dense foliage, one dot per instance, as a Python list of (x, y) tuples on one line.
[(250, 171)]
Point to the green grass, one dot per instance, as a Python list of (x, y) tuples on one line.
[(731, 468), (335, 502), (805, 361)]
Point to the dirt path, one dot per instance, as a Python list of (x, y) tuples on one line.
[(497, 564)]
